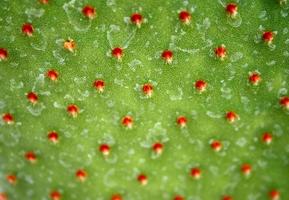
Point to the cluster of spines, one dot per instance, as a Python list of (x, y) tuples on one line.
[(127, 121)]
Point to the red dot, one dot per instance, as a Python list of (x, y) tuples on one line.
[(158, 147), (99, 85), (284, 102), (27, 29), (142, 178), (53, 136), (182, 121), (8, 118), (116, 197), (70, 45), (201, 85), (127, 121), (81, 174), (274, 194), (167, 55), (147, 89), (255, 78), (72, 110), (89, 11), (117, 53), (246, 169), (268, 36), (32, 97), (136, 19), (30, 156), (3, 196), (55, 195), (232, 9), (3, 54), (11, 178), (221, 52), (185, 17), (196, 173), (227, 197), (267, 137), (52, 74), (104, 149), (231, 116), (44, 1), (216, 145)]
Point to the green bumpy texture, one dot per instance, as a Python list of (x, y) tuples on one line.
[(154, 118)]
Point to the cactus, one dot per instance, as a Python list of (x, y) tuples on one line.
[(144, 100)]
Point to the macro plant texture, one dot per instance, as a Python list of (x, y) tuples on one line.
[(144, 100)]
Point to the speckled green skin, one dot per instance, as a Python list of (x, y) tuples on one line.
[(174, 95)]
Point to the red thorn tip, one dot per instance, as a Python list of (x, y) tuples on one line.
[(70, 45), (55, 195), (167, 55), (254, 78), (3, 196), (52, 74), (73, 110), (32, 97), (117, 53), (284, 102), (142, 179), (99, 85), (27, 29), (201, 85), (89, 11), (231, 116), (216, 145), (232, 9), (147, 89), (221, 52), (44, 1), (227, 197), (196, 173), (179, 197), (53, 136), (246, 169), (274, 195), (11, 178), (116, 197), (104, 149), (267, 138), (3, 54), (30, 156), (136, 19), (8, 118), (185, 17), (127, 121), (182, 121), (158, 147), (268, 36), (81, 175)]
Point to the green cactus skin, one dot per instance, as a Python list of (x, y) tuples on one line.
[(153, 159)]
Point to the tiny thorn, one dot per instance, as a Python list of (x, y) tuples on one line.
[(11, 178), (32, 97), (69, 45), (99, 85), (31, 157), (221, 52), (127, 121), (267, 138), (231, 116), (216, 145), (157, 148), (185, 17), (3, 54), (72, 110), (142, 179), (52, 74), (55, 195), (27, 29), (8, 118), (117, 53), (136, 19), (182, 121), (53, 136), (232, 9), (104, 149), (167, 55), (89, 11), (116, 197), (196, 173), (81, 175), (147, 89)]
